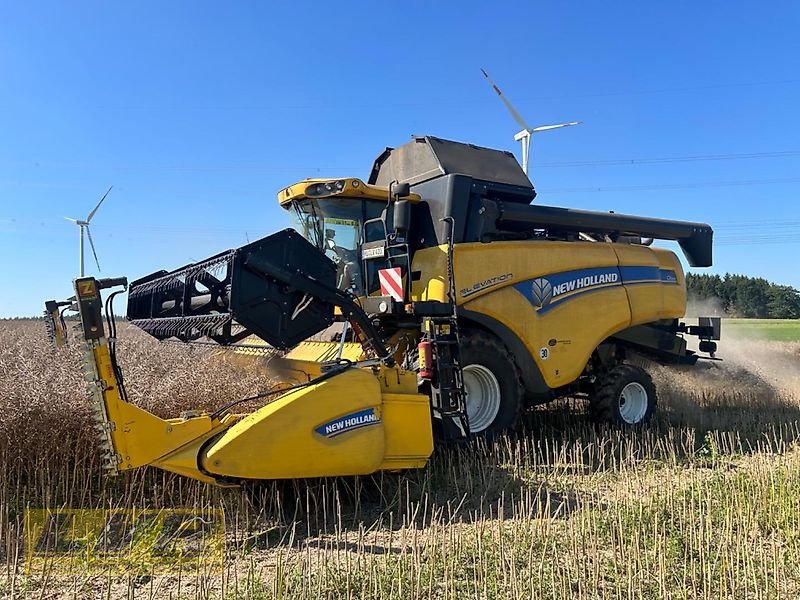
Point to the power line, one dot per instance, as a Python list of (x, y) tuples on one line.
[(258, 166), (668, 186), (460, 102), (670, 159)]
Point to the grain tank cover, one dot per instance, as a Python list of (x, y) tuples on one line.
[(427, 157)]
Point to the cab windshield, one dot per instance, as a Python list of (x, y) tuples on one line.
[(334, 226)]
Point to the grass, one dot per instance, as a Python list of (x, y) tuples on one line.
[(776, 330), (701, 504)]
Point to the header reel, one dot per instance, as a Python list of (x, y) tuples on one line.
[(280, 288)]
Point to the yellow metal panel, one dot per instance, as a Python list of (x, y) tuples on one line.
[(303, 362), (407, 420), (491, 278), (407, 424), (322, 351), (183, 461), (280, 441), (657, 300), (432, 264), (646, 299), (561, 339), (138, 436), (481, 268), (674, 296)]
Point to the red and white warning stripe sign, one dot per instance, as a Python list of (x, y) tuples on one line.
[(391, 283)]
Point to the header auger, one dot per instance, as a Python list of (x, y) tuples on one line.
[(456, 304)]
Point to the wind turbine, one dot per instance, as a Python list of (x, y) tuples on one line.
[(84, 227), (527, 132)]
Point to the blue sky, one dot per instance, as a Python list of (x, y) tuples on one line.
[(199, 112)]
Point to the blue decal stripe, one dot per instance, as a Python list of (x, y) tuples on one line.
[(555, 303), (636, 274), (548, 291), (668, 276), (568, 295), (351, 422), (341, 431)]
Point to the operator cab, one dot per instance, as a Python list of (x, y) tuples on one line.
[(338, 217)]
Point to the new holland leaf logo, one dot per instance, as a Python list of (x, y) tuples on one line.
[(541, 292)]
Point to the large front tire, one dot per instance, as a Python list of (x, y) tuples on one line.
[(494, 395), (624, 396)]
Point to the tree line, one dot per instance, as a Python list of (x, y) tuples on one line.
[(742, 296)]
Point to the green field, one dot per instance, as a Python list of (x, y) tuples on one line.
[(777, 330)]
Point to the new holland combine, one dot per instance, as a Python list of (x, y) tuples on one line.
[(433, 301)]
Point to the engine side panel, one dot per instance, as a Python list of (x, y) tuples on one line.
[(562, 299)]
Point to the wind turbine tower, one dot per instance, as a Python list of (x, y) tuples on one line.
[(527, 132), (84, 230)]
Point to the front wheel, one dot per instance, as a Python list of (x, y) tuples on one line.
[(624, 396), (492, 385)]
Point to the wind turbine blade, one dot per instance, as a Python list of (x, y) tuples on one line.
[(91, 214), (72, 220), (559, 126), (91, 243), (517, 117)]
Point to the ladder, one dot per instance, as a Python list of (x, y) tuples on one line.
[(447, 386)]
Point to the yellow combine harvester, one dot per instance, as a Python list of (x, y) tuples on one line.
[(457, 305)]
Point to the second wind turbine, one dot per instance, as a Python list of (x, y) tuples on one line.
[(84, 229), (527, 132)]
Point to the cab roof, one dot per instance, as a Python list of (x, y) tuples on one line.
[(350, 187)]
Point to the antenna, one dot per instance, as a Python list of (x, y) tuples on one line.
[(83, 226), (527, 132)]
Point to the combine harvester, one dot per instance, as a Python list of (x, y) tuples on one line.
[(458, 304)]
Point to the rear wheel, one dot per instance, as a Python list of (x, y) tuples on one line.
[(492, 384), (625, 396)]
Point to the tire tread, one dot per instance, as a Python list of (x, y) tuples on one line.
[(482, 342), (603, 407)]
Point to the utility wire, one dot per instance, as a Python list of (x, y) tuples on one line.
[(668, 186), (429, 103), (259, 166), (668, 159)]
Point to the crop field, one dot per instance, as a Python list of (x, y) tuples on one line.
[(703, 503), (776, 330)]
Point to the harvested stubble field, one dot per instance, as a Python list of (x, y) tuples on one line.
[(704, 503)]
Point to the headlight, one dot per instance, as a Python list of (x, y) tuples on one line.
[(326, 188)]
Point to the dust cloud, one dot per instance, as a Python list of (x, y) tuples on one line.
[(756, 381), (704, 307)]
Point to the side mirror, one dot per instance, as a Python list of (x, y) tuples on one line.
[(399, 190), (402, 215)]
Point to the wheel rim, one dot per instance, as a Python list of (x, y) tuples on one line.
[(482, 396), (633, 403)]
